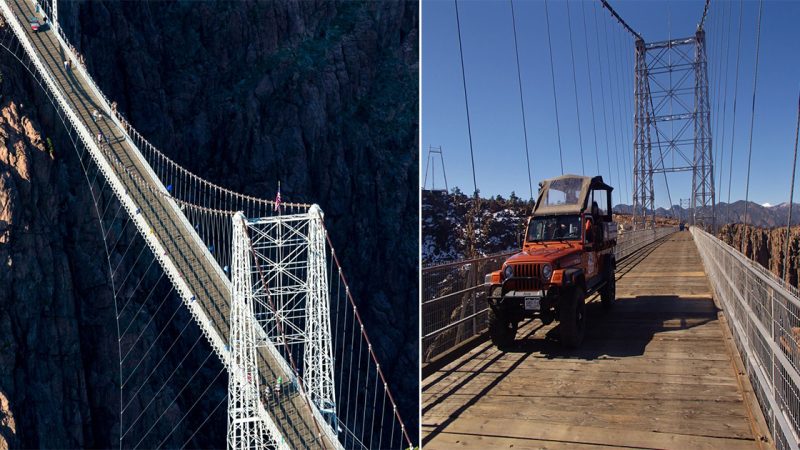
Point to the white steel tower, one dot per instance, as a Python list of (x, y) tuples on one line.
[(318, 355), (245, 424)]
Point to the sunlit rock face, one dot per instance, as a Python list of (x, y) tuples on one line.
[(319, 95), (767, 246)]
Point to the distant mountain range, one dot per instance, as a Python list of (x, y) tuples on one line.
[(759, 215)]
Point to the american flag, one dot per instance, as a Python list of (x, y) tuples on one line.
[(278, 200)]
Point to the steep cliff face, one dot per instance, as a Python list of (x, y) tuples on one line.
[(319, 95), (47, 270), (767, 247)]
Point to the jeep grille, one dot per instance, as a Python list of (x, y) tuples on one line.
[(526, 270)]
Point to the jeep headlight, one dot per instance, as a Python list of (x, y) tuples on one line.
[(547, 271), (508, 272)]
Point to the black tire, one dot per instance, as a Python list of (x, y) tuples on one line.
[(501, 331), (572, 312), (608, 293)]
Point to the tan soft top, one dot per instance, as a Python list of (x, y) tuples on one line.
[(566, 194)]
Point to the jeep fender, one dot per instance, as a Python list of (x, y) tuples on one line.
[(574, 277)]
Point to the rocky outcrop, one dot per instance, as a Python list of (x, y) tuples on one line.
[(766, 246), (320, 95)]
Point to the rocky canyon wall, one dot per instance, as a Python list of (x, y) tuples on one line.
[(767, 247)]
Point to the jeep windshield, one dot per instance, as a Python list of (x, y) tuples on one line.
[(563, 191), (554, 228)]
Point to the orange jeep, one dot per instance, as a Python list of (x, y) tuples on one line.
[(568, 254)]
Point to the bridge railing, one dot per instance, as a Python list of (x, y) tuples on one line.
[(764, 319), (453, 309), (453, 294)]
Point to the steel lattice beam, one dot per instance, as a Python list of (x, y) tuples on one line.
[(246, 425), (671, 98), (703, 199)]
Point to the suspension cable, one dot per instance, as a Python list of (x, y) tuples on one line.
[(620, 20), (725, 100), (735, 96), (703, 18), (575, 86), (553, 78), (603, 98), (622, 121), (466, 100), (366, 338), (614, 126), (752, 117), (521, 101), (591, 95), (791, 197)]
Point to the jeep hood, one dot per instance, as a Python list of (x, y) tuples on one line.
[(550, 253)]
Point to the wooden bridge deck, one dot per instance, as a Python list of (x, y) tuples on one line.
[(656, 372)]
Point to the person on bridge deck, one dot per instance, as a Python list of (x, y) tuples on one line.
[(99, 138)]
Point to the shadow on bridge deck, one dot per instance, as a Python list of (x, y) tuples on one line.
[(655, 372)]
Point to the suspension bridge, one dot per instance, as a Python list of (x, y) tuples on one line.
[(259, 279), (702, 348)]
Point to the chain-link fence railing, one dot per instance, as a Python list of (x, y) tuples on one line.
[(453, 302), (763, 316), (453, 294)]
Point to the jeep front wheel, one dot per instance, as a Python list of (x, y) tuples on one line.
[(501, 331), (572, 314)]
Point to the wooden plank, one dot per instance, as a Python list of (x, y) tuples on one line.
[(699, 420), (556, 432)]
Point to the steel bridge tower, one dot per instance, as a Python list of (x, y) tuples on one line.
[(431, 164), (246, 425), (283, 303), (671, 101)]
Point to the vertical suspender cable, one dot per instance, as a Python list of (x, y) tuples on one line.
[(791, 198), (575, 87), (521, 101), (735, 95), (553, 78), (752, 118), (591, 95), (622, 121), (614, 128), (603, 98), (466, 101), (724, 102)]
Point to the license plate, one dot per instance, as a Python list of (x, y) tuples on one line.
[(532, 303)]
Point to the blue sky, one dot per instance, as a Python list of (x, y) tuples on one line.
[(494, 101)]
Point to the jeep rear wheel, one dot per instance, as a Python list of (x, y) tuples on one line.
[(501, 331), (572, 314), (608, 293)]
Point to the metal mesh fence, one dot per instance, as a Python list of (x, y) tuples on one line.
[(763, 316), (453, 294)]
